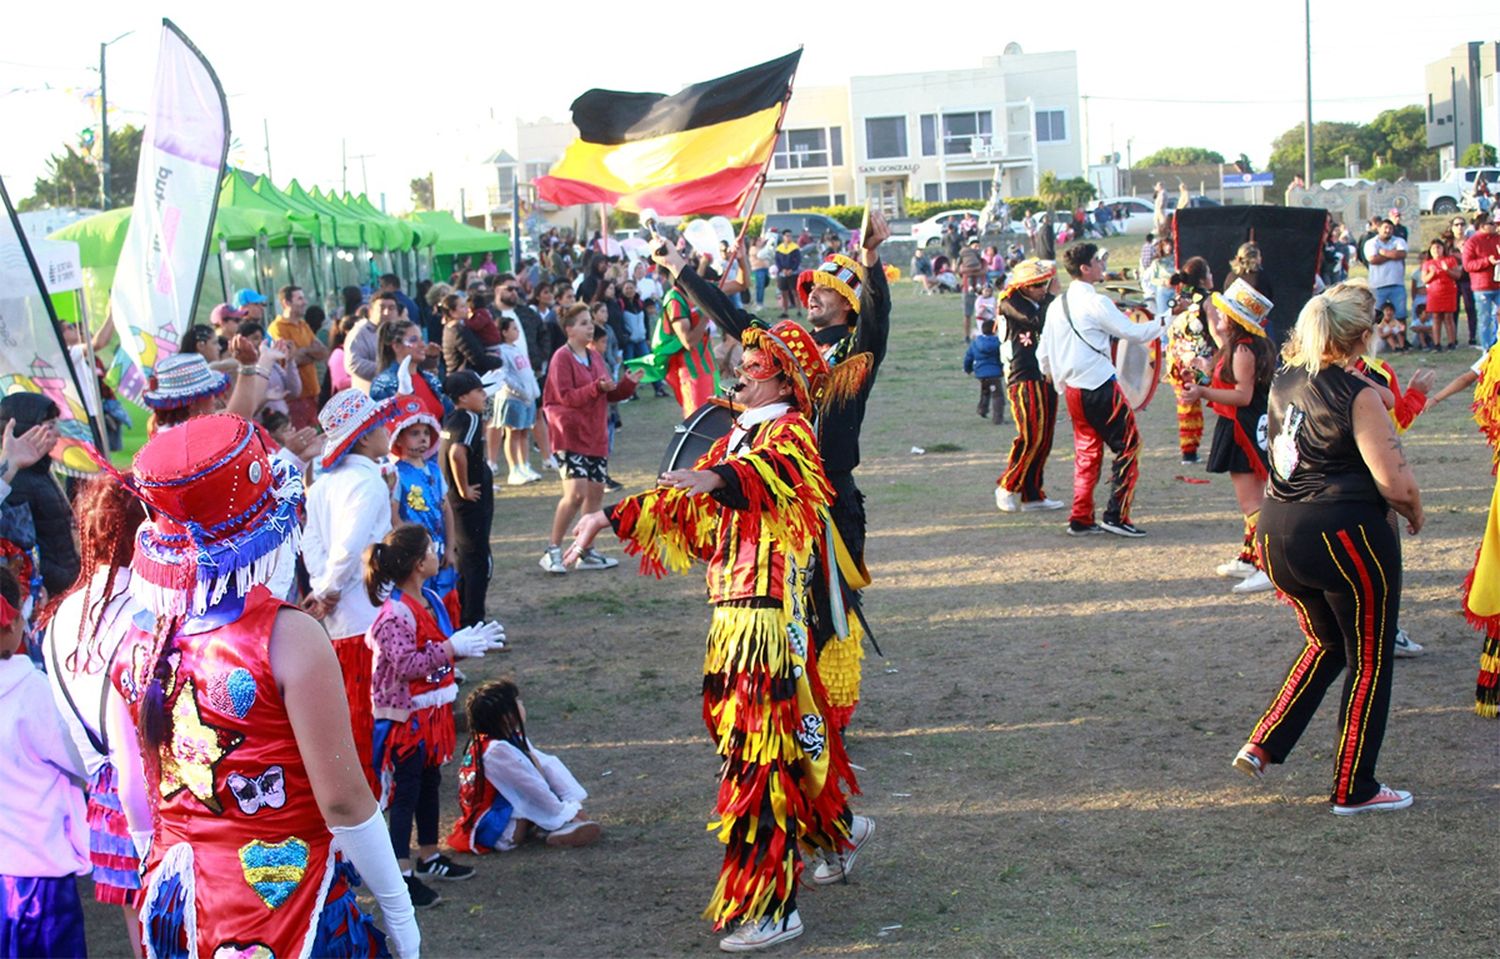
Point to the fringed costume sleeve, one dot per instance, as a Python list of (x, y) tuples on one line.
[(666, 528)]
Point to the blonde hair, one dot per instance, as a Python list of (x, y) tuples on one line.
[(1332, 327), (1246, 259)]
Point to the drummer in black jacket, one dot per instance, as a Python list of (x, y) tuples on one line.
[(849, 306), (1033, 400)]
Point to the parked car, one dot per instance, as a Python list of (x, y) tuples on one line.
[(815, 223), (1133, 215), (1445, 196), (930, 231)]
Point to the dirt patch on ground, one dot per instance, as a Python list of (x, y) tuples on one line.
[(1046, 744)]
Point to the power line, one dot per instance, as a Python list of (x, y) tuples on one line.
[(1415, 98)]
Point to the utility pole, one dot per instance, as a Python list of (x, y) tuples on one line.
[(1307, 131), (1085, 136), (344, 162), (364, 173), (104, 124), (265, 125)]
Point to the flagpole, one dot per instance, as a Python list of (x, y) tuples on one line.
[(748, 211), (213, 210)]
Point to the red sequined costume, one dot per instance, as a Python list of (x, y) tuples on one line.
[(242, 858)]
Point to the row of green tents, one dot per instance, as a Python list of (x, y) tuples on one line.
[(265, 237)]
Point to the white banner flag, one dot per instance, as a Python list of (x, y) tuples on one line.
[(176, 193)]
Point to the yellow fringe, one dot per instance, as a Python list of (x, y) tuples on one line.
[(840, 666)]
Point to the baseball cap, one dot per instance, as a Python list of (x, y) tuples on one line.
[(464, 381), (224, 312), (243, 298)]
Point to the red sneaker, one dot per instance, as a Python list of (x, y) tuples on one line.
[(1387, 798), (1252, 761)]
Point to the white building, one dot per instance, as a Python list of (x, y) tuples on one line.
[(935, 135)]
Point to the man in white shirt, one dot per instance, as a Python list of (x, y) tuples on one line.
[(1386, 254), (1075, 353)]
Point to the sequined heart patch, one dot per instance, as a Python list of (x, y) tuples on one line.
[(233, 693), (273, 870)]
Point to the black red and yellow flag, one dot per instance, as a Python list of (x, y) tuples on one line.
[(696, 151)]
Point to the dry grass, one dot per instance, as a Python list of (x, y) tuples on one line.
[(1046, 745)]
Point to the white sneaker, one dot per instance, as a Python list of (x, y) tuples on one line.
[(552, 560), (1256, 582), (517, 478), (552, 463), (1006, 501), (1235, 567), (1406, 647), (1041, 504), (1383, 801), (531, 474), (494, 467), (836, 867), (763, 934), (593, 559)]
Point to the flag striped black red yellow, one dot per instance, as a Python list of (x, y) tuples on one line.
[(696, 151)]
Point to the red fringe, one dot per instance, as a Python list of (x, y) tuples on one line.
[(356, 662), (1489, 625)]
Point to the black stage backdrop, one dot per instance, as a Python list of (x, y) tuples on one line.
[(1290, 240)]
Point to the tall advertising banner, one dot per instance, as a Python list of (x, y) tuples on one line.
[(176, 193), (33, 356)]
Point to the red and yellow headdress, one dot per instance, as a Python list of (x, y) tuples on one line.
[(839, 273), (814, 383)]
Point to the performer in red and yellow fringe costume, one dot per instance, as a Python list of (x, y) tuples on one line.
[(1482, 588), (1189, 336), (754, 508)]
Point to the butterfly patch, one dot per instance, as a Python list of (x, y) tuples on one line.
[(254, 793), (273, 870)]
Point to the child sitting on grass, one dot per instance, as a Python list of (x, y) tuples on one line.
[(508, 790), (1392, 332), (413, 689)]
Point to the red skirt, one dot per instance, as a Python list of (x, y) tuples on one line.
[(357, 663)]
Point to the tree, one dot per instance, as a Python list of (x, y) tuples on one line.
[(1064, 194), (421, 192), (73, 175), (1397, 137), (1181, 156), (1477, 154)]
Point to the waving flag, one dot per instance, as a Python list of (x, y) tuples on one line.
[(33, 358), (696, 151), (176, 192)]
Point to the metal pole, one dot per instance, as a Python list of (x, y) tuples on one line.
[(344, 163), (103, 133), (1307, 129), (515, 224), (265, 125)]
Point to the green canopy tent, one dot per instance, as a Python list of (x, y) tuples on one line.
[(455, 239), (101, 237)]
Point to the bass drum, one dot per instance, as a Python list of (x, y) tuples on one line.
[(1138, 366), (695, 435)]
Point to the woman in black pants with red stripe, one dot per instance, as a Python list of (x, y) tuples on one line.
[(1336, 463)]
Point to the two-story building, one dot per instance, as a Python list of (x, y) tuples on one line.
[(1463, 100)]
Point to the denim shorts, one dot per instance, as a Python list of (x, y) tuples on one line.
[(518, 414)]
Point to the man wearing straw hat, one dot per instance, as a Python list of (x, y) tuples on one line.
[(1033, 401)]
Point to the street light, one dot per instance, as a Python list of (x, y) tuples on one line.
[(104, 123)]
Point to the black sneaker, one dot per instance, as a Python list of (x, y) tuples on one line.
[(1121, 529), (422, 896), (441, 867), (1190, 459), (1076, 528), (611, 486)]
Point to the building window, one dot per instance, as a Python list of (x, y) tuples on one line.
[(801, 149), (1051, 126), (885, 137), (969, 190), (932, 192), (791, 204), (836, 140), (507, 177), (535, 171), (959, 131)]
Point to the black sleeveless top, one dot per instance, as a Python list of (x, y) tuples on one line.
[(1314, 458)]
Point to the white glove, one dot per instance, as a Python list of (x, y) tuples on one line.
[(368, 848), (472, 642)]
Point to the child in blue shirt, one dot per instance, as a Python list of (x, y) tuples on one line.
[(982, 360), (420, 497)]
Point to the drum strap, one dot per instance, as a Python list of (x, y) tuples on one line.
[(1068, 315)]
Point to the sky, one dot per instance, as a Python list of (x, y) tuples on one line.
[(400, 97)]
